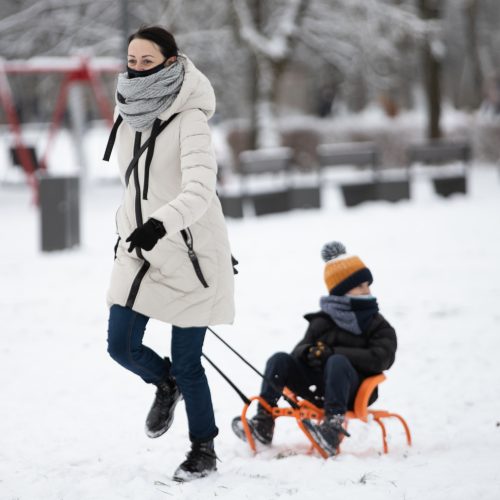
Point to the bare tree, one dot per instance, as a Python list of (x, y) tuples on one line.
[(269, 35), (350, 35), (246, 45), (56, 27)]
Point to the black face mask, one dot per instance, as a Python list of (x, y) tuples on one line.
[(133, 73)]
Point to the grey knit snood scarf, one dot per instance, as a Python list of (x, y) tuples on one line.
[(142, 100), (352, 313)]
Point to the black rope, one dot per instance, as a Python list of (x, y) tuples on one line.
[(291, 402), (228, 380)]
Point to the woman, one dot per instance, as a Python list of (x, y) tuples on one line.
[(172, 259)]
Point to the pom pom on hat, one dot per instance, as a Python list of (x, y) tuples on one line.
[(343, 272), (332, 250)]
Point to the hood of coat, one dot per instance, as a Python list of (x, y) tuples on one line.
[(196, 92)]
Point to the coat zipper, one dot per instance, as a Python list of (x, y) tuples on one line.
[(134, 289), (187, 236), (116, 246)]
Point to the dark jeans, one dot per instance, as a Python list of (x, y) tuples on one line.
[(125, 333), (335, 386)]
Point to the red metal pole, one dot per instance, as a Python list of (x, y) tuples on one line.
[(56, 118), (24, 156), (81, 70), (100, 95)]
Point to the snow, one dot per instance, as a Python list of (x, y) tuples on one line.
[(266, 154), (72, 420)]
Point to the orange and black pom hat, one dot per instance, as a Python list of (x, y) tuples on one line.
[(343, 272)]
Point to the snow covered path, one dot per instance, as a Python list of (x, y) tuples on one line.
[(71, 420)]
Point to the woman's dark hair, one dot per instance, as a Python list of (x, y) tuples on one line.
[(160, 36)]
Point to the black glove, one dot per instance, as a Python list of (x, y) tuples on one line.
[(317, 355), (146, 236)]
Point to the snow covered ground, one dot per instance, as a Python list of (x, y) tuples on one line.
[(71, 420)]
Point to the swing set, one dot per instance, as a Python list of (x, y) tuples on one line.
[(306, 412), (75, 70)]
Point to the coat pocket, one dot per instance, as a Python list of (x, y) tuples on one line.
[(179, 279), (177, 264)]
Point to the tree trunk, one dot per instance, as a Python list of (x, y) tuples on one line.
[(429, 9), (264, 127), (472, 77), (267, 133), (253, 68), (266, 69)]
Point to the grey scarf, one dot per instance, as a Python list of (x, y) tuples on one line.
[(353, 314), (142, 100)]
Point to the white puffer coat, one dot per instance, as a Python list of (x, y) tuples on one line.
[(164, 283)]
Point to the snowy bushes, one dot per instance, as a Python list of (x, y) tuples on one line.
[(391, 135)]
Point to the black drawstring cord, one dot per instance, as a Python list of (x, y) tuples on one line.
[(112, 138), (135, 160), (149, 156)]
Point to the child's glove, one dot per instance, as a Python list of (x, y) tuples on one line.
[(317, 355)]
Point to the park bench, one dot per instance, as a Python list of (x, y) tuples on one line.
[(362, 156), (437, 155), (268, 184)]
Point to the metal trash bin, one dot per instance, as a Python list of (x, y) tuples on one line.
[(59, 212), (232, 206), (446, 186)]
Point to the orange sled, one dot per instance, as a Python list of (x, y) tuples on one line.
[(307, 410)]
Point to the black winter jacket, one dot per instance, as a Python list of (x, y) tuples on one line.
[(370, 353)]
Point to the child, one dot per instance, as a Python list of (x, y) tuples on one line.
[(345, 342)]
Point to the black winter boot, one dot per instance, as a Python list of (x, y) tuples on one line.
[(329, 433), (161, 414), (200, 461), (261, 426)]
